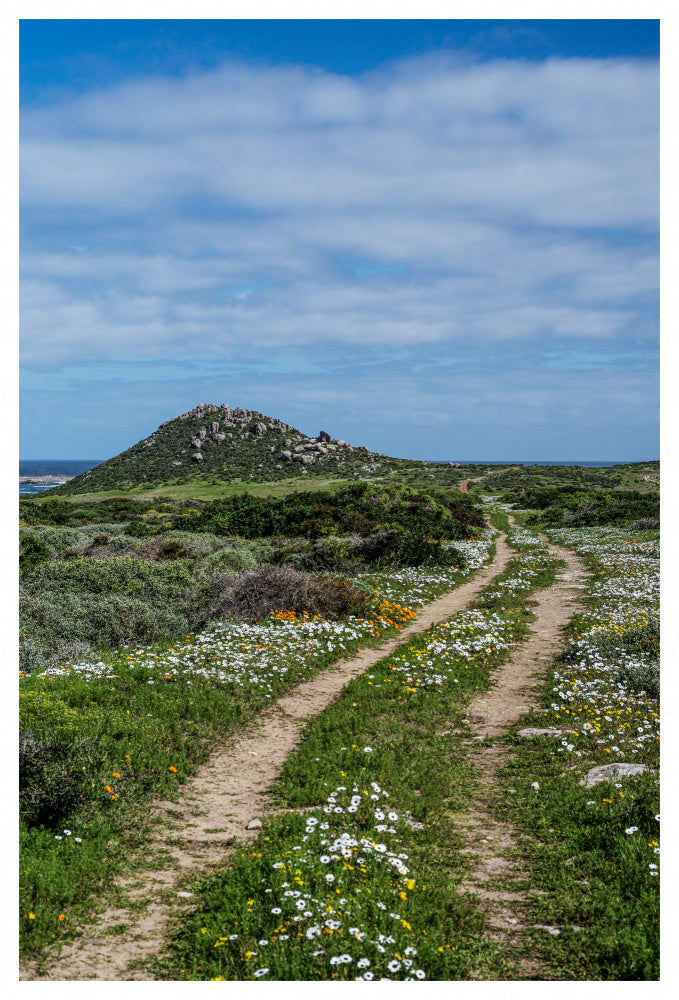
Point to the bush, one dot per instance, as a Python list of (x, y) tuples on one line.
[(252, 596), (396, 547), (162, 549), (32, 551), (31, 657), (333, 553), (53, 619), (113, 575), (642, 677), (638, 639), (48, 787), (231, 560), (122, 543), (60, 539), (645, 524), (140, 529)]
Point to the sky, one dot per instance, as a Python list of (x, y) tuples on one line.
[(436, 238)]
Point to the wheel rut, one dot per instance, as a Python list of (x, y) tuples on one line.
[(497, 879), (214, 809)]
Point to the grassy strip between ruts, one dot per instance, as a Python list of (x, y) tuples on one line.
[(108, 735), (595, 850), (360, 882)]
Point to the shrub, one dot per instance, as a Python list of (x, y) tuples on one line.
[(100, 620), (231, 560), (112, 575), (161, 549), (32, 551), (60, 539), (252, 596), (140, 529), (48, 787), (71, 651), (642, 677), (638, 639), (31, 656), (333, 553), (645, 524), (396, 547), (122, 543)]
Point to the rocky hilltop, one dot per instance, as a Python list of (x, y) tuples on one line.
[(221, 443)]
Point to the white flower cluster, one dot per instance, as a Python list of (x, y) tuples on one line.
[(339, 887), (416, 585), (451, 646)]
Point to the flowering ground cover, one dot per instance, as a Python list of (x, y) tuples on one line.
[(108, 733), (597, 852), (359, 883), (416, 585)]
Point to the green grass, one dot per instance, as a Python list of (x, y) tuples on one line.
[(595, 877), (214, 491)]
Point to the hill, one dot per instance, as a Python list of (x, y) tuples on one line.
[(219, 444)]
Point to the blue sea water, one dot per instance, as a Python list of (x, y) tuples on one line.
[(52, 467)]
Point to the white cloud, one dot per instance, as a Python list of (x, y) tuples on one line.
[(246, 208)]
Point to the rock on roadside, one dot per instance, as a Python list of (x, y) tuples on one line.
[(606, 772)]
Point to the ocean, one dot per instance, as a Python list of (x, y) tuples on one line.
[(52, 467)]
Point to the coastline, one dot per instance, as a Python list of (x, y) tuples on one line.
[(43, 480)]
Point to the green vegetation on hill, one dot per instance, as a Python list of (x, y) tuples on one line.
[(212, 445), (640, 476), (556, 505)]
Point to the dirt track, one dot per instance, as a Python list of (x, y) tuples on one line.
[(491, 842)]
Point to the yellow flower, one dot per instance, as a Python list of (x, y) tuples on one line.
[(31, 916)]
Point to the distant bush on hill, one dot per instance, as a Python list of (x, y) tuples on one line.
[(361, 508), (587, 508)]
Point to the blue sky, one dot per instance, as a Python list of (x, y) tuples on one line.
[(435, 238)]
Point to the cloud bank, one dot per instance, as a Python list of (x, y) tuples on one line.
[(439, 208)]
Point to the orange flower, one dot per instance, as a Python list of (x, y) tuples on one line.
[(108, 788), (62, 916), (173, 768)]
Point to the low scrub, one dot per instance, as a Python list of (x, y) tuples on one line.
[(252, 596)]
